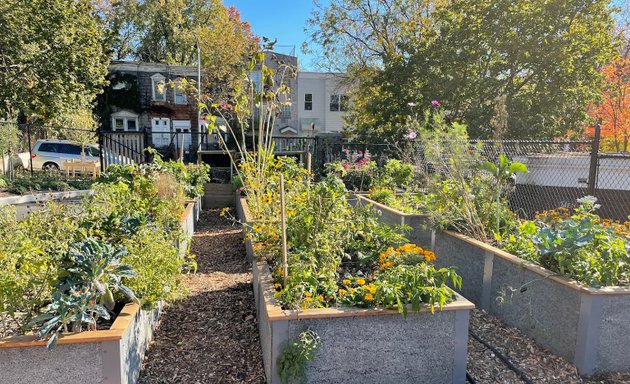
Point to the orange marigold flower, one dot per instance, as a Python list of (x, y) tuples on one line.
[(320, 298), (368, 296)]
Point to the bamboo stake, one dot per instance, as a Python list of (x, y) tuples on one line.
[(285, 265)]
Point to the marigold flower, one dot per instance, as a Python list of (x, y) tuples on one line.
[(346, 282), (307, 294), (277, 285), (429, 256), (309, 299), (342, 291), (361, 281), (320, 298), (368, 296)]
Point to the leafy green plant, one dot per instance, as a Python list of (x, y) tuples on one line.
[(415, 285), (580, 246), (68, 312), (295, 354), (85, 290)]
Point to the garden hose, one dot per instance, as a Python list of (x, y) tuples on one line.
[(503, 358)]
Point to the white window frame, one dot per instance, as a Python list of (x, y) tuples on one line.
[(126, 117), (155, 80), (178, 93)]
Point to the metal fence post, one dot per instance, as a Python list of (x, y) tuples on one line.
[(30, 148), (592, 173), (101, 158)]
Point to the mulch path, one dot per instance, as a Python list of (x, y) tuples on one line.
[(538, 364), (211, 336)]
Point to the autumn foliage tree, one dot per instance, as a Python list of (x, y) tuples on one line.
[(614, 110)]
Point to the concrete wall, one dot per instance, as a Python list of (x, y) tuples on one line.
[(107, 362), (588, 327)]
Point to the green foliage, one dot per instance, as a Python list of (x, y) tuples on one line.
[(415, 285), (120, 243), (397, 174), (357, 170), (580, 246), (295, 354), (51, 58), (463, 54), (31, 254)]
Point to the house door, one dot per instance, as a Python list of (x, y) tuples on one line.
[(181, 130), (161, 132)]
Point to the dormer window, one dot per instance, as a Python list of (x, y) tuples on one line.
[(180, 95), (158, 86)]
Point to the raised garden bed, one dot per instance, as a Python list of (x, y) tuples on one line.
[(28, 203), (363, 345), (218, 195), (103, 356), (421, 233), (587, 326)]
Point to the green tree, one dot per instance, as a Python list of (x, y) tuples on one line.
[(51, 58), (542, 56)]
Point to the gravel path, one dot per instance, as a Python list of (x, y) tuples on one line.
[(212, 335)]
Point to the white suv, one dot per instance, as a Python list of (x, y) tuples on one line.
[(52, 154)]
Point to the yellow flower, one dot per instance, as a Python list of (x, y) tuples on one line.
[(307, 294), (346, 282), (277, 285), (342, 291), (352, 291), (368, 296), (371, 288), (361, 281), (320, 298), (309, 299), (429, 256)]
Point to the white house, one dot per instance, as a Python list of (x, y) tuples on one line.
[(321, 103)]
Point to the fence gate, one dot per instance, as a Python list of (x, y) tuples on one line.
[(121, 147)]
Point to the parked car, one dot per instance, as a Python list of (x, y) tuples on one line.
[(51, 155)]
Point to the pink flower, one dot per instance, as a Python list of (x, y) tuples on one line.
[(435, 103), (411, 134)]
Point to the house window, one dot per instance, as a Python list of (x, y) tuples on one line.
[(124, 121), (338, 103), (308, 102), (180, 96), (285, 112), (158, 87)]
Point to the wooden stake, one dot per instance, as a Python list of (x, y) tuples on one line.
[(283, 219), (309, 164)]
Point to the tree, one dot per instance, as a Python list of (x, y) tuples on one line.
[(51, 58), (614, 110), (168, 31), (542, 56)]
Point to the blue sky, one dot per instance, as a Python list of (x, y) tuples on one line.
[(281, 19)]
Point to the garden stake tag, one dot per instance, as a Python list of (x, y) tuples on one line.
[(285, 265)]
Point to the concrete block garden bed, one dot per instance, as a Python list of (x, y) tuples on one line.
[(363, 345), (589, 327), (112, 356)]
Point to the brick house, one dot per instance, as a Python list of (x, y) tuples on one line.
[(139, 99)]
